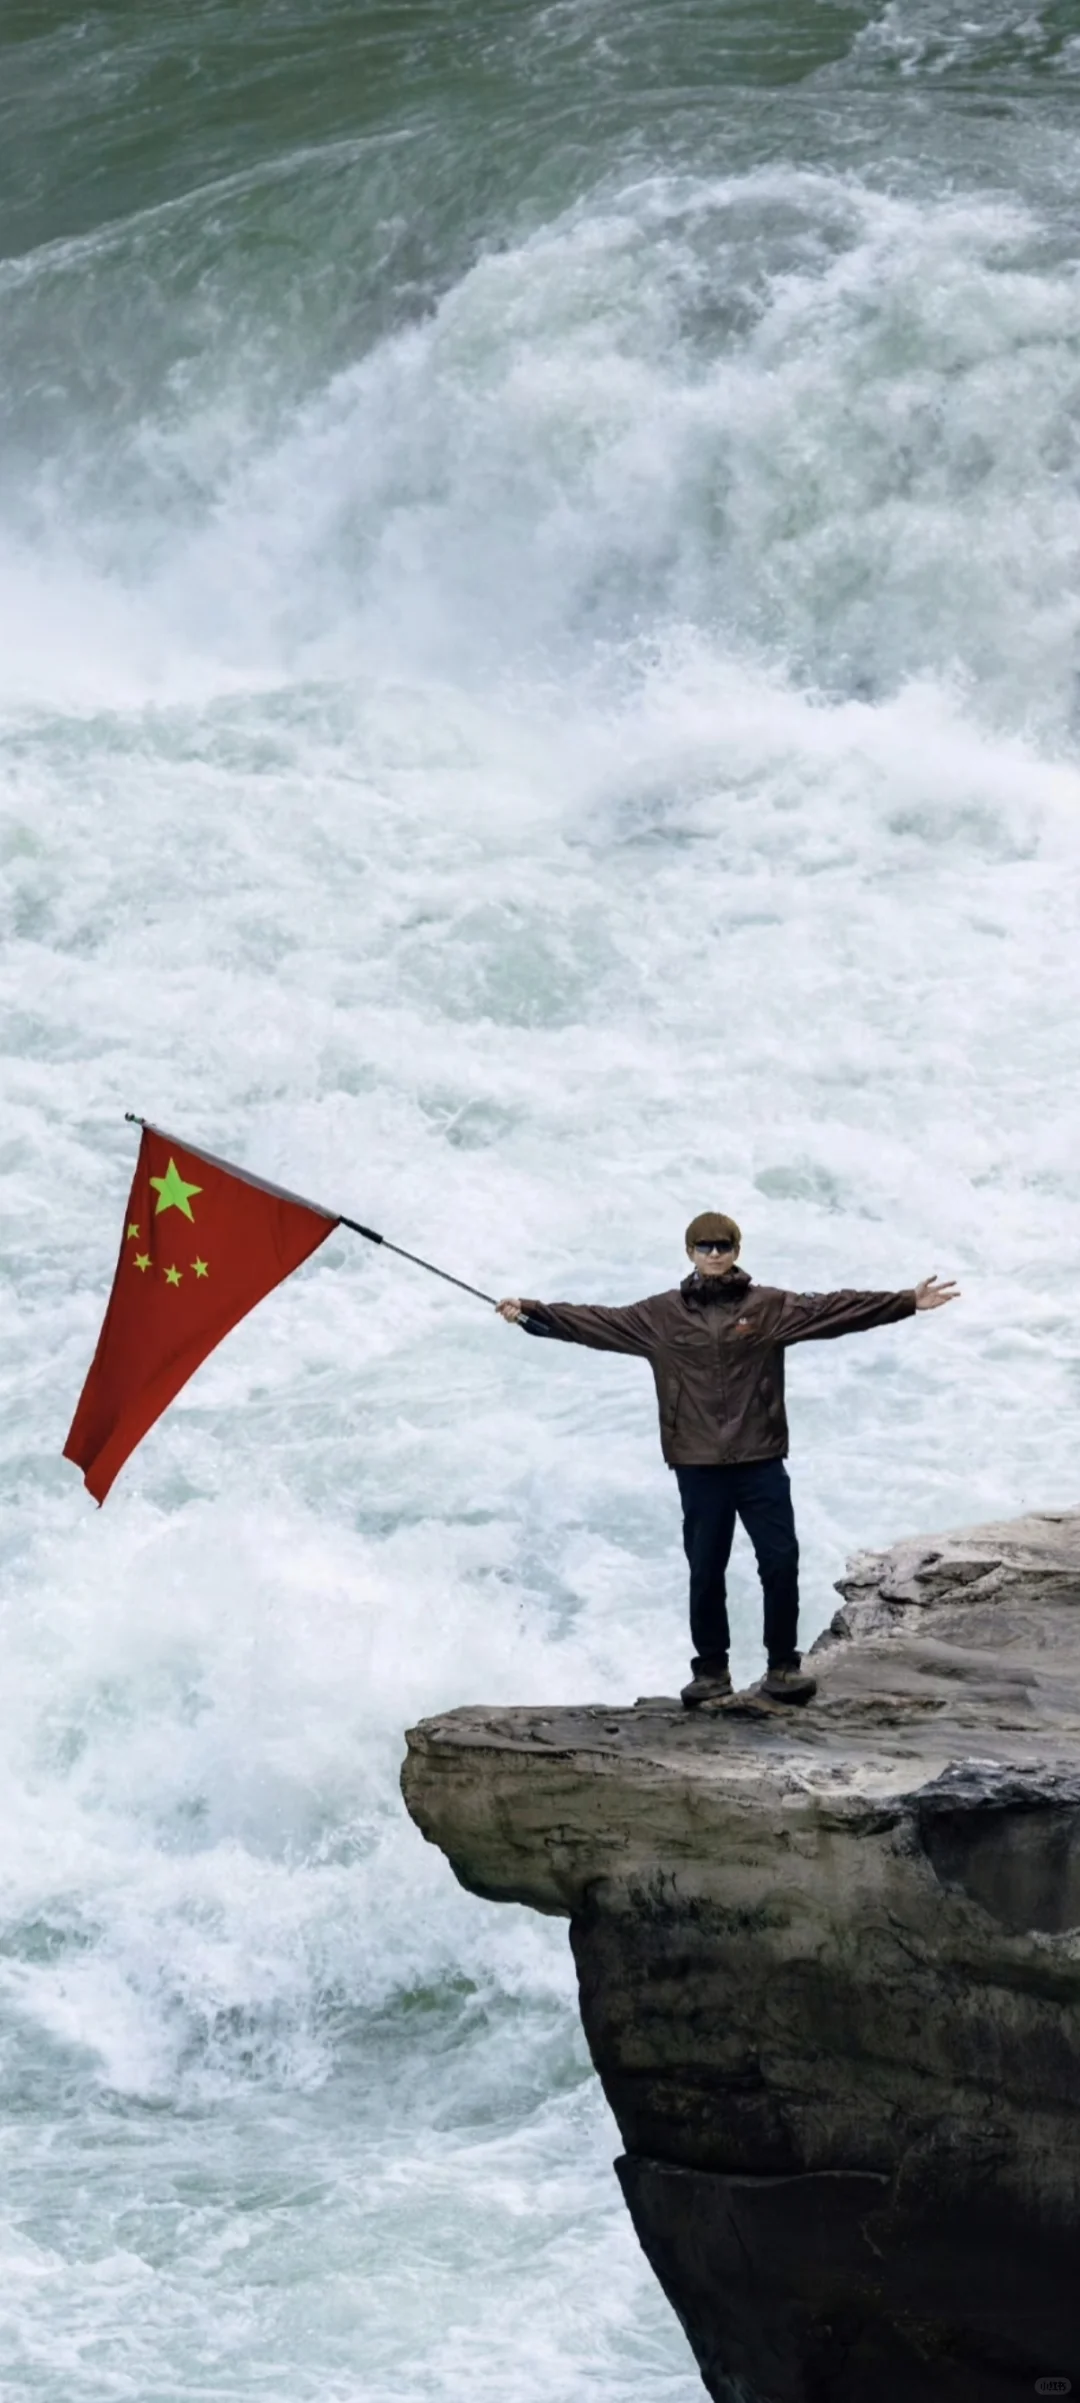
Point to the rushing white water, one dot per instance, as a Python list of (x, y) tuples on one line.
[(606, 749)]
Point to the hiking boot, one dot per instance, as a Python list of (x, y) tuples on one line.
[(789, 1682), (714, 1686)]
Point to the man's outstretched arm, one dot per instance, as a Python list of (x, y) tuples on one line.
[(818, 1317), (603, 1330)]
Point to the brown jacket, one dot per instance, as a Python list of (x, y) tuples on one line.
[(716, 1352)]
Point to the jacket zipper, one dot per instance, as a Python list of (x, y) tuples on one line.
[(717, 1354)]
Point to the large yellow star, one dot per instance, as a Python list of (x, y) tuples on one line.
[(172, 1193), (173, 1276)]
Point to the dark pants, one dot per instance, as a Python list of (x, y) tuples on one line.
[(758, 1493)]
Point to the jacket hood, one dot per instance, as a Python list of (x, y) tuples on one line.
[(707, 1292)]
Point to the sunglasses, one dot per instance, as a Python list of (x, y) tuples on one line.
[(726, 1246)]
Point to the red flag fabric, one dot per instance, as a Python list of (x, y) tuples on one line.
[(202, 1244)]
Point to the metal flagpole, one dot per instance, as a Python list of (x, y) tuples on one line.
[(402, 1254)]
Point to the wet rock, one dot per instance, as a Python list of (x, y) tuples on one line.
[(829, 1968)]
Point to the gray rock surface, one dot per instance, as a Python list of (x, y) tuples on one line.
[(829, 1967)]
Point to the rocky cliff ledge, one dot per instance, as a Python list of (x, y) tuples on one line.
[(829, 1965)]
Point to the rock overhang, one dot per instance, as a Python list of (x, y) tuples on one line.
[(838, 1945)]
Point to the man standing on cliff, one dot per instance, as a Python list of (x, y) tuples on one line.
[(715, 1345)]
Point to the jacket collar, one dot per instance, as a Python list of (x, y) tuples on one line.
[(705, 1292)]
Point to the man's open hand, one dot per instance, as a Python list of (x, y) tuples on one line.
[(511, 1311), (930, 1295)]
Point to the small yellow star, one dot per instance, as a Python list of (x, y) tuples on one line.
[(142, 1260), (133, 1234), (200, 1268), (172, 1276)]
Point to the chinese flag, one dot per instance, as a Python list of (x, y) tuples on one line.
[(202, 1244)]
